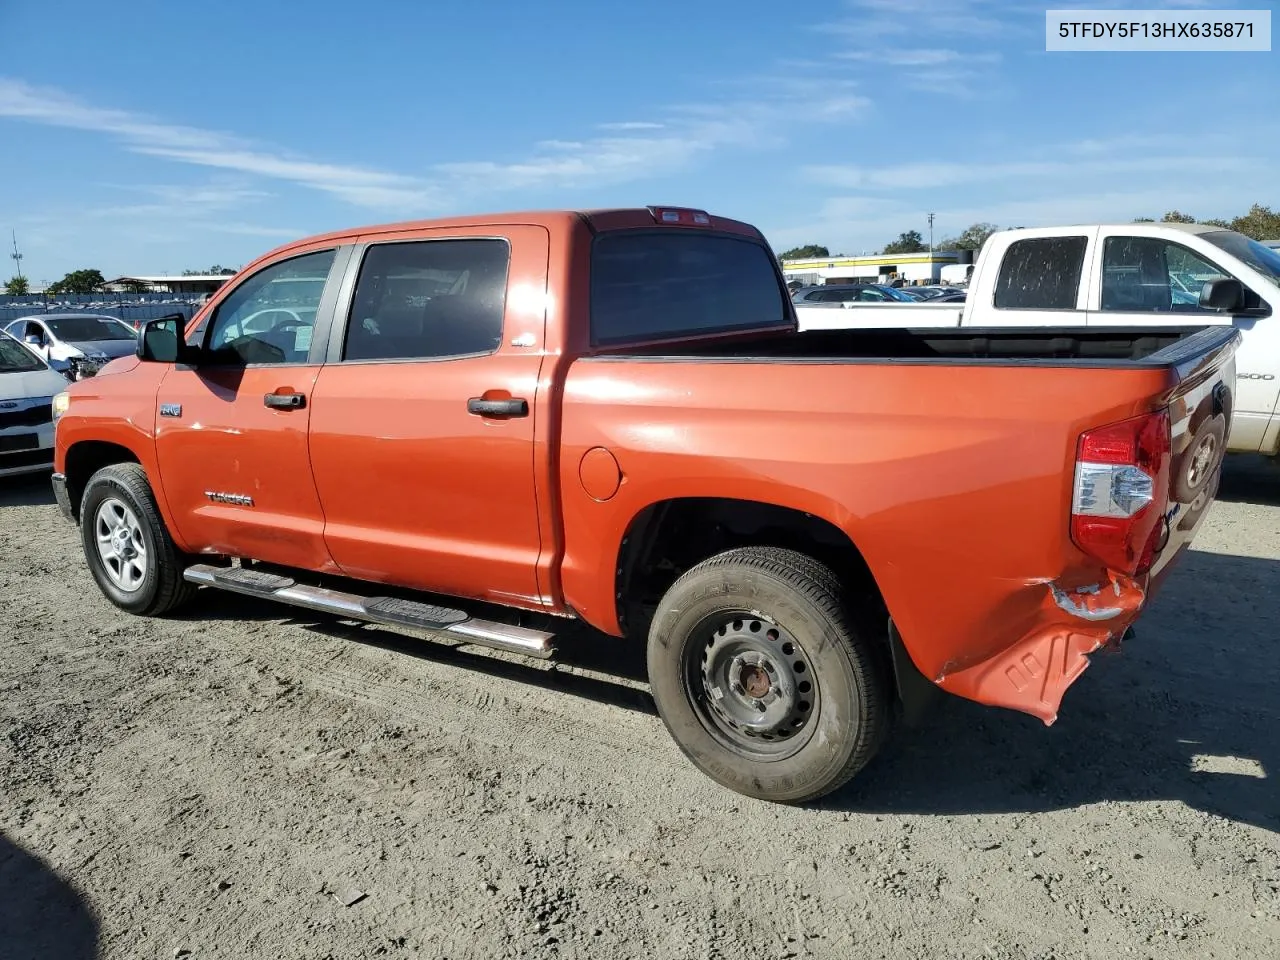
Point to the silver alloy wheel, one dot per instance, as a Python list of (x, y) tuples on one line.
[(121, 547)]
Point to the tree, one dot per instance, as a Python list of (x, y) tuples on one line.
[(217, 270), (78, 281), (909, 242), (808, 252), (1260, 223), (1144, 220), (17, 287), (973, 237), (1177, 216)]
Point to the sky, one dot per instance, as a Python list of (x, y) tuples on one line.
[(167, 136)]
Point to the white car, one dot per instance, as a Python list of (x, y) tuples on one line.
[(61, 338), (27, 388)]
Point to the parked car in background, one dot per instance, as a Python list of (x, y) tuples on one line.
[(840, 294), (88, 339), (485, 428), (27, 388), (1121, 275)]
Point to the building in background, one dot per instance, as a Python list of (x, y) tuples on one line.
[(196, 285), (876, 268)]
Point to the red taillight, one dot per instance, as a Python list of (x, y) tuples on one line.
[(1121, 488)]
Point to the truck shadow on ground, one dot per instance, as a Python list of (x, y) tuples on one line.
[(1251, 479), (616, 669), (1187, 712), (41, 915), (26, 490)]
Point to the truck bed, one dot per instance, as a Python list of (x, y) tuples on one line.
[(1042, 346)]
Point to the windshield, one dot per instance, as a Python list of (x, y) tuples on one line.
[(80, 329), (15, 358), (661, 284), (1257, 255)]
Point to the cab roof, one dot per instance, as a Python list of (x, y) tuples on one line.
[(608, 218)]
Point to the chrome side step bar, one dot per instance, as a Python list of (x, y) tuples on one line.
[(387, 610)]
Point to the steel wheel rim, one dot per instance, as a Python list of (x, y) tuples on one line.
[(121, 546), (752, 685)]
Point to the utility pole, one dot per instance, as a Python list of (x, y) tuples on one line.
[(16, 257), (932, 275)]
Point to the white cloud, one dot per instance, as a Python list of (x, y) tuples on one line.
[(927, 175), (1099, 182), (967, 18), (906, 57), (629, 125), (629, 150), (19, 100)]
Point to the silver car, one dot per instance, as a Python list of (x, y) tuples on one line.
[(27, 388), (61, 338)]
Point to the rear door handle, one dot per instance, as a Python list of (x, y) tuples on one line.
[(285, 401), (515, 407)]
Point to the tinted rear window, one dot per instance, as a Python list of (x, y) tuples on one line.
[(653, 285), (1042, 273)]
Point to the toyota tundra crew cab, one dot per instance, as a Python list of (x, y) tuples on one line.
[(1121, 275), (485, 428)]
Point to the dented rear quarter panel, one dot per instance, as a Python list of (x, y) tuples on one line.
[(954, 480)]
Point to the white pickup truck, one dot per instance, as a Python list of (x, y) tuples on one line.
[(1131, 274)]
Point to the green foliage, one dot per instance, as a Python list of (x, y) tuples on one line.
[(17, 287), (973, 237), (909, 242), (78, 282), (217, 270), (1260, 223), (807, 252)]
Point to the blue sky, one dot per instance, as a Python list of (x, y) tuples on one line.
[(163, 136)]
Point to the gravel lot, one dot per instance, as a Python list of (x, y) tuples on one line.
[(211, 785)]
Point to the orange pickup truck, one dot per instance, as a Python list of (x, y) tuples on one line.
[(482, 428)]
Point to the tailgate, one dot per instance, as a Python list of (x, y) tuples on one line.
[(1200, 406)]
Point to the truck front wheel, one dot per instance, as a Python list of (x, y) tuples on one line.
[(126, 544), (761, 677)]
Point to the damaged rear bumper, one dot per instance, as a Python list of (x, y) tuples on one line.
[(1033, 674)]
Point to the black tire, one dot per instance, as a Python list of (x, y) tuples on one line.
[(766, 596), (161, 588)]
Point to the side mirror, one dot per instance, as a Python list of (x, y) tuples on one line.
[(1225, 294), (161, 340)]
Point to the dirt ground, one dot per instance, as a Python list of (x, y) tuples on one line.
[(211, 786)]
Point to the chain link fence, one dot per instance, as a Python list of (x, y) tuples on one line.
[(132, 308)]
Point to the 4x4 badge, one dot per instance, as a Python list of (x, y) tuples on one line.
[(170, 409)]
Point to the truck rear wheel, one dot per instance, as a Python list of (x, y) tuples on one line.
[(126, 544), (761, 677)]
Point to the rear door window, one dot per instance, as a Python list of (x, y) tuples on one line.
[(1041, 273), (429, 300)]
